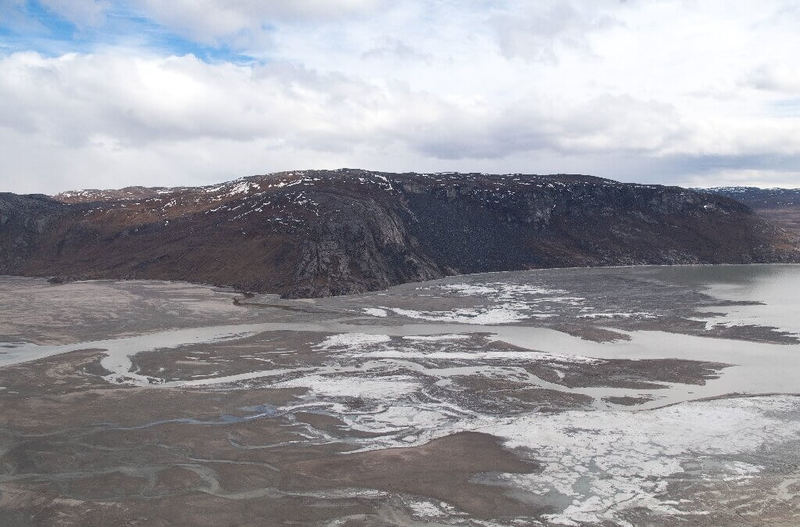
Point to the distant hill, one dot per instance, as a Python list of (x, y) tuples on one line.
[(779, 205), (761, 198), (316, 233)]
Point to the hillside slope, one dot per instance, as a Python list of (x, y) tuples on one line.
[(318, 233), (781, 206)]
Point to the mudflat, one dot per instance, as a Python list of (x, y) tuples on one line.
[(616, 396)]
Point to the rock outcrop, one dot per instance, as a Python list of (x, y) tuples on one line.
[(318, 233)]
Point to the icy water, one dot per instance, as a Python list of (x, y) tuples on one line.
[(625, 384), (507, 300)]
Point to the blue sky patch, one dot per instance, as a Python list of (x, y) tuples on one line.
[(32, 26)]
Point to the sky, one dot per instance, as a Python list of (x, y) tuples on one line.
[(112, 93)]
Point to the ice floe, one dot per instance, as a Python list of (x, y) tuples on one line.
[(638, 314), (375, 312), (500, 290), (351, 386), (614, 460), (480, 316), (438, 338), (347, 340)]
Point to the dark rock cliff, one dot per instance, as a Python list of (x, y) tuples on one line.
[(317, 233), (23, 221)]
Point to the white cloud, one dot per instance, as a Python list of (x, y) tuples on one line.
[(540, 31), (672, 91), (216, 20), (764, 178), (82, 13), (125, 100)]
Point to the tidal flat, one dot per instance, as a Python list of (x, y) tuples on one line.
[(583, 397)]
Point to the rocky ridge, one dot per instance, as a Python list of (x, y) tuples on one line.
[(781, 206), (318, 233)]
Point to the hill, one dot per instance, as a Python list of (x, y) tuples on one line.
[(779, 205), (318, 233)]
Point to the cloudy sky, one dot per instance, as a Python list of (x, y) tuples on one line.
[(109, 93)]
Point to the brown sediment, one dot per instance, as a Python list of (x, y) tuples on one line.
[(243, 473), (592, 333), (78, 451), (644, 374), (72, 372), (628, 400), (687, 326), (95, 455), (440, 469), (319, 421), (196, 509), (509, 395), (177, 480), (553, 399), (273, 350)]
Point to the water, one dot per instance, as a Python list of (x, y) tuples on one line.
[(756, 367), (416, 362)]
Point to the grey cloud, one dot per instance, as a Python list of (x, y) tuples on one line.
[(537, 30), (124, 102), (698, 170), (456, 134), (396, 49), (776, 78), (618, 123)]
